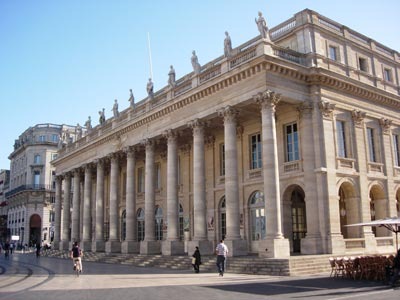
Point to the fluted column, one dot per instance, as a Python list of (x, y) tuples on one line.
[(113, 244), (149, 197), (76, 207), (149, 245), (87, 216), (130, 245), (172, 245), (57, 216), (275, 243), (231, 174), (66, 212), (199, 190), (99, 244)]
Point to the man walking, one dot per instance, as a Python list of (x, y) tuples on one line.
[(222, 252)]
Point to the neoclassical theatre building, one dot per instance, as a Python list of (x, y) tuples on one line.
[(275, 147)]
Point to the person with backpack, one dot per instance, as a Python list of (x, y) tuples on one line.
[(76, 255)]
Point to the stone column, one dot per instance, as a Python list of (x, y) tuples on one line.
[(64, 245), (172, 245), (113, 244), (87, 216), (312, 243), (99, 245), (233, 239), (130, 245), (199, 192), (362, 162), (274, 245), (75, 234), (57, 216), (149, 245)]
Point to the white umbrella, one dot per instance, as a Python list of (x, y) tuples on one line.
[(392, 224)]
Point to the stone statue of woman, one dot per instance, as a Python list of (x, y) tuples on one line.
[(195, 63), (227, 45), (150, 88), (115, 109), (171, 77), (262, 26), (131, 99)]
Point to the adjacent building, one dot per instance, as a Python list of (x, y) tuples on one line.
[(275, 147), (30, 196)]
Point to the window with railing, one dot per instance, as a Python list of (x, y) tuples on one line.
[(37, 159), (341, 139), (291, 143), (396, 149), (371, 145), (255, 151)]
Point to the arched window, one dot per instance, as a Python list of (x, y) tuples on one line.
[(222, 218), (181, 235), (257, 216), (159, 223), (140, 224), (123, 226)]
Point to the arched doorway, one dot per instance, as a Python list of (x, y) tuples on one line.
[(222, 218), (35, 232), (159, 223), (299, 224), (257, 219), (378, 209), (140, 224), (349, 210)]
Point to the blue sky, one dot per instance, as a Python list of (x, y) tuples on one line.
[(62, 61)]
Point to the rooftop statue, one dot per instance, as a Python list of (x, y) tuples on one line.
[(131, 99), (88, 123), (171, 77), (195, 63), (115, 109), (150, 87), (227, 45), (78, 132), (102, 118), (262, 26)]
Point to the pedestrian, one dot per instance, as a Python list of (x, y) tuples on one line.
[(222, 252), (396, 269), (196, 260), (38, 249)]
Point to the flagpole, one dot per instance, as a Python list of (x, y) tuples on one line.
[(151, 65)]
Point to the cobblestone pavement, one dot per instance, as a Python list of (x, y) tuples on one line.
[(23, 276)]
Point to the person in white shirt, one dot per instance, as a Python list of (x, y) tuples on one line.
[(222, 252)]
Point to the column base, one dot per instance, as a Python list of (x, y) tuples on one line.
[(98, 246), (113, 247), (64, 245), (336, 244), (274, 248), (172, 247), (130, 247), (205, 247), (236, 247), (150, 247), (311, 245), (86, 245)]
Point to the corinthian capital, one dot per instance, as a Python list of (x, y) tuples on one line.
[(385, 124), (267, 99), (228, 113), (358, 117), (326, 108)]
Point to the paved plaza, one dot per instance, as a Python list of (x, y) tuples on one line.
[(23, 276)]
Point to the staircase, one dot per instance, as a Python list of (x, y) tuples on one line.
[(294, 266)]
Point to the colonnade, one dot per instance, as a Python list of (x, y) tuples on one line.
[(171, 244)]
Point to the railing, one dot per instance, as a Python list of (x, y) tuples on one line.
[(375, 167), (346, 162), (30, 187), (243, 57), (211, 73), (329, 24), (283, 29), (354, 243), (290, 55), (293, 166), (384, 241)]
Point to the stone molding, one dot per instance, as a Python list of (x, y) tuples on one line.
[(358, 117), (385, 125), (326, 109)]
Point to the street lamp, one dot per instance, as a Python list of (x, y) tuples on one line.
[(22, 233)]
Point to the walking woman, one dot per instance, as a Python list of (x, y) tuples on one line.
[(196, 260)]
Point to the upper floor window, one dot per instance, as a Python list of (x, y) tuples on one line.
[(387, 74), (333, 53), (54, 156), (341, 139), (222, 159), (42, 138), (37, 159), (256, 151), (158, 176), (292, 142), (36, 178), (363, 64), (396, 149), (371, 145), (54, 138), (140, 180)]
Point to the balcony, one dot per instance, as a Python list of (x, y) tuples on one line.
[(30, 187)]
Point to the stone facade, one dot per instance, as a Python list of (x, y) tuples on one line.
[(274, 148), (31, 195)]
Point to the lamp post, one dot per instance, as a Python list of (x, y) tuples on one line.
[(22, 233)]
